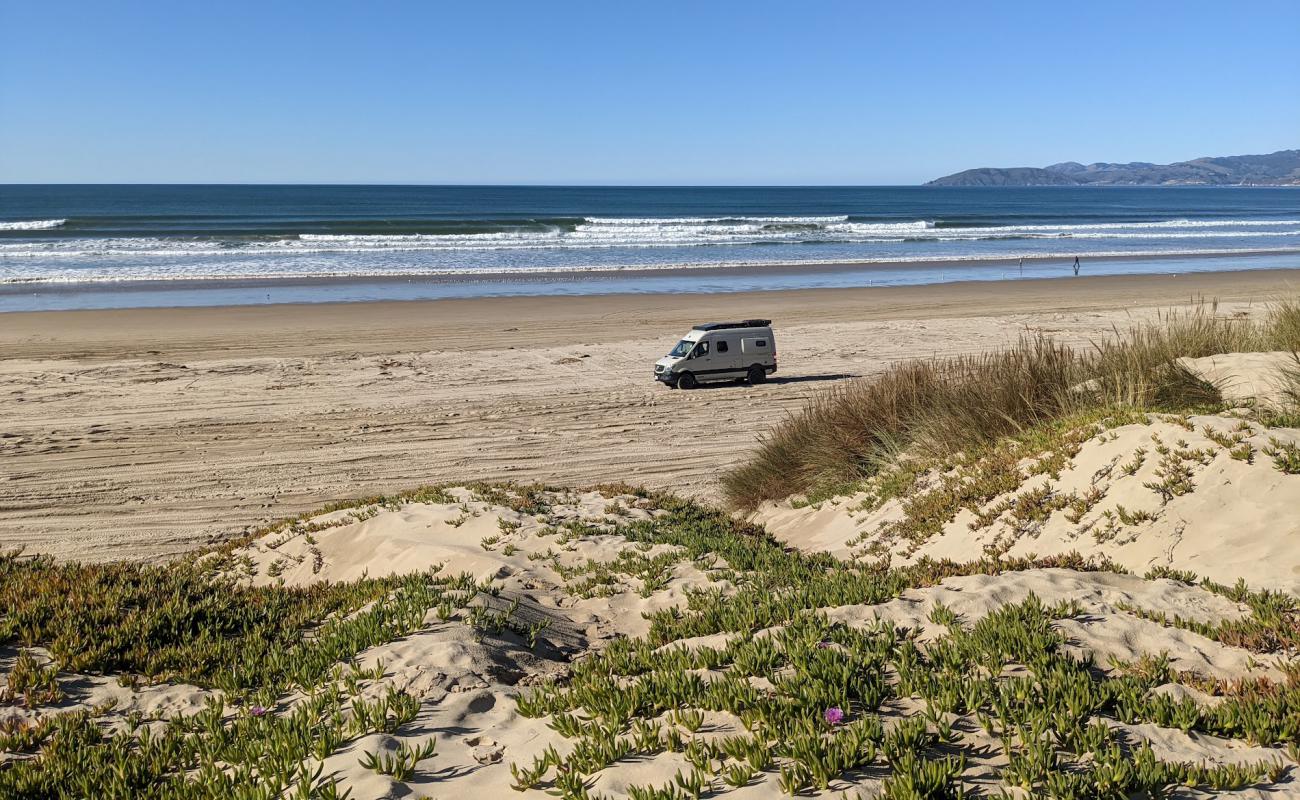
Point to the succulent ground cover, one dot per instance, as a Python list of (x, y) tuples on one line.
[(625, 644)]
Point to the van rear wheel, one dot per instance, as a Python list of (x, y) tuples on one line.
[(687, 381), (757, 375)]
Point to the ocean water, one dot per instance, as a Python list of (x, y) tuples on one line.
[(102, 246)]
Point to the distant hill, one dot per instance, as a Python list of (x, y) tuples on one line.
[(1274, 169)]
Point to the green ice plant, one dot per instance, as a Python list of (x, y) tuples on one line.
[(401, 764), (1285, 455), (29, 683), (815, 699), (806, 660), (212, 753)]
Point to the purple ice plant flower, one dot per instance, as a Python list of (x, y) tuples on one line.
[(834, 715), (823, 645), (257, 711)]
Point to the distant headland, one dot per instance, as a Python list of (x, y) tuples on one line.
[(1273, 169)]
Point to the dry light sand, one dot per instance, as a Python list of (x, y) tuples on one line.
[(142, 433)]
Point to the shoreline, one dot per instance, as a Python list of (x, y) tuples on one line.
[(370, 326), (198, 292)]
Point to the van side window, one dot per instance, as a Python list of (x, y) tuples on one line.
[(722, 347), (761, 343), (701, 349)]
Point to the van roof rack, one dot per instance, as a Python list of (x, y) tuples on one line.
[(745, 323)]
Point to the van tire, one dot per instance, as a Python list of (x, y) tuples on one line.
[(687, 381), (757, 375)]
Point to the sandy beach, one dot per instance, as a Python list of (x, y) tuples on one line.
[(335, 463), (143, 433)]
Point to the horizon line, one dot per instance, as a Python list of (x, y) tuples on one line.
[(322, 184), (538, 185)]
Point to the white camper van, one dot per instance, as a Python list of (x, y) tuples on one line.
[(720, 351)]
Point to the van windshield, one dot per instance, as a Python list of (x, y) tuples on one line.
[(683, 347)]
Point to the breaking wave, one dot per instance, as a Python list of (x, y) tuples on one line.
[(43, 251), (592, 233), (32, 225)]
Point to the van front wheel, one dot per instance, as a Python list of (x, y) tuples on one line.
[(687, 381), (757, 375)]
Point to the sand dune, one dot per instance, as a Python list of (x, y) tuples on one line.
[(1198, 493), (1256, 378), (465, 681)]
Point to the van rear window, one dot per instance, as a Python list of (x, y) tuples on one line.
[(761, 343)]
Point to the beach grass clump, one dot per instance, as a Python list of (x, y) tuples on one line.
[(1290, 380), (1284, 325), (932, 406), (932, 409)]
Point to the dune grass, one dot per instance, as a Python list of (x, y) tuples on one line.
[(1291, 380), (934, 408)]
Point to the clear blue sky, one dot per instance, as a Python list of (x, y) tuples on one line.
[(620, 92)]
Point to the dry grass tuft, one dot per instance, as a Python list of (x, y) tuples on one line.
[(943, 406)]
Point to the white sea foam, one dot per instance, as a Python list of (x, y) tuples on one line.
[(710, 220), (647, 232), (307, 270), (32, 225), (612, 243), (686, 231), (499, 236)]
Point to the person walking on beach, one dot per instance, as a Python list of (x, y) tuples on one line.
[(1076, 266)]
